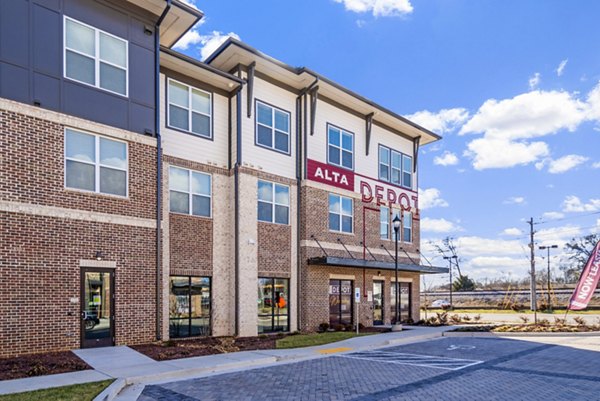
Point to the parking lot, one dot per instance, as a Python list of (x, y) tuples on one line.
[(451, 368)]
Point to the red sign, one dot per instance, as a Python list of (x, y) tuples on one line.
[(587, 282), (331, 175)]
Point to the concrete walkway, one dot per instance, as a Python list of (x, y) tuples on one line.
[(134, 369)]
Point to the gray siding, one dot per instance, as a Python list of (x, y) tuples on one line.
[(31, 60)]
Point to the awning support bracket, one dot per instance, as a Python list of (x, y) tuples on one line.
[(318, 243), (250, 99), (314, 96), (368, 126), (344, 245), (416, 143), (368, 250), (406, 253)]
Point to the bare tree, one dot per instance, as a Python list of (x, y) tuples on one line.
[(578, 252), (448, 249)]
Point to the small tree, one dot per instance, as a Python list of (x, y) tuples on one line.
[(578, 252), (463, 283)]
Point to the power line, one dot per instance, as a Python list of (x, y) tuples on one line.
[(567, 218)]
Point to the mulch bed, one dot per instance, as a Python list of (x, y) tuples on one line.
[(529, 328), (40, 364), (205, 346)]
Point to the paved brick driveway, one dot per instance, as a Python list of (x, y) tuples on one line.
[(443, 369)]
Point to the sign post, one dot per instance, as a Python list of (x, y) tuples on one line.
[(357, 302)]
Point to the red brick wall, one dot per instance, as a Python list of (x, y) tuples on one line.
[(39, 273), (274, 250), (191, 243)]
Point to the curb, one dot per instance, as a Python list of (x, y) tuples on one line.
[(518, 334), (112, 391)]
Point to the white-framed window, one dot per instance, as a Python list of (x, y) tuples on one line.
[(384, 163), (190, 192), (95, 163), (272, 127), (189, 109), (95, 57), (384, 222), (273, 202), (341, 214), (340, 147), (407, 227), (407, 170), (395, 167)]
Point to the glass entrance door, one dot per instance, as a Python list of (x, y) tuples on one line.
[(97, 308), (377, 302), (340, 302), (405, 303)]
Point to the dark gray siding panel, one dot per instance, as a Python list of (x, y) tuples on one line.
[(14, 82), (98, 15), (92, 104), (46, 91), (138, 36), (14, 31), (47, 41), (141, 118), (141, 83)]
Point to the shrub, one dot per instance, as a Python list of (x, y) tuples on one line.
[(442, 318), (524, 319), (559, 322), (543, 322), (410, 321), (338, 327), (466, 318), (323, 326), (446, 307), (432, 321), (455, 319), (477, 317), (580, 321), (361, 326), (348, 327), (517, 307)]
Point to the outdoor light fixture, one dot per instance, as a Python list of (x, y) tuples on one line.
[(147, 30), (449, 259), (397, 326), (548, 278), (99, 255)]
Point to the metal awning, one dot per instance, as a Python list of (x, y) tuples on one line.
[(375, 264)]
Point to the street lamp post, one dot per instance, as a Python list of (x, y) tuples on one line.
[(449, 259), (397, 326), (548, 278)]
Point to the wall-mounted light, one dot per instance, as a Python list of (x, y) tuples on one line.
[(148, 31), (99, 255)]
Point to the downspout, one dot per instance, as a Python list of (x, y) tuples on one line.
[(238, 162), (158, 167)]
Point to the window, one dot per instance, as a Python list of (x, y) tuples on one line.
[(190, 192), (189, 306), (340, 302), (94, 163), (190, 109), (272, 128), (407, 227), (340, 213), (273, 202), (340, 147), (395, 167), (405, 301), (273, 305), (95, 57), (384, 222)]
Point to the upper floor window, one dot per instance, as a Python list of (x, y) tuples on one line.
[(407, 227), (384, 222), (341, 213), (189, 192), (273, 202), (340, 147), (190, 109), (95, 163), (395, 167), (272, 127), (95, 57)]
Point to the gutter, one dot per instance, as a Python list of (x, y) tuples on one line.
[(158, 168), (236, 183)]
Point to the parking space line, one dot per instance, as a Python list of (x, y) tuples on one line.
[(398, 358)]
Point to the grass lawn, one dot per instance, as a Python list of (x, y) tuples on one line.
[(308, 340), (77, 392)]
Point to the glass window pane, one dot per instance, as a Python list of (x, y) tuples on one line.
[(201, 124), (346, 159), (201, 206), (347, 141), (179, 179), (407, 180), (113, 50), (282, 121), (334, 204), (346, 224), (113, 153), (113, 181), (347, 206), (178, 94), (384, 172), (281, 141), (179, 202), (201, 183), (396, 176), (407, 163), (282, 195), (81, 68), (396, 159), (81, 146), (281, 214), (80, 176), (113, 78), (334, 136), (265, 136), (384, 155), (265, 211), (265, 191), (334, 221), (264, 114), (80, 37), (178, 117), (334, 155), (200, 101)]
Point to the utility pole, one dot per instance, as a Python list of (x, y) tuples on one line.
[(532, 273)]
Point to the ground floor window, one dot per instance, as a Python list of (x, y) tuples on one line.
[(405, 304), (189, 306), (273, 305), (340, 302)]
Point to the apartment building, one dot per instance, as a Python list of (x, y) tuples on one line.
[(274, 188)]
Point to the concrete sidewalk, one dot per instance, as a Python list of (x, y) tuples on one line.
[(134, 369)]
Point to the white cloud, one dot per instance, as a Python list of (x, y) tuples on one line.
[(446, 159), (596, 165), (561, 67), (191, 37), (445, 120), (208, 43), (429, 198), (552, 215), (477, 246), (379, 8), (574, 204), (499, 153), (191, 3), (513, 231), (360, 23), (439, 225), (534, 81), (557, 235), (515, 200), (566, 163)]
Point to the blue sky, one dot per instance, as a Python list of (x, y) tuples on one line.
[(512, 86)]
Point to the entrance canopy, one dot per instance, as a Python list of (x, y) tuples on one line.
[(375, 264)]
